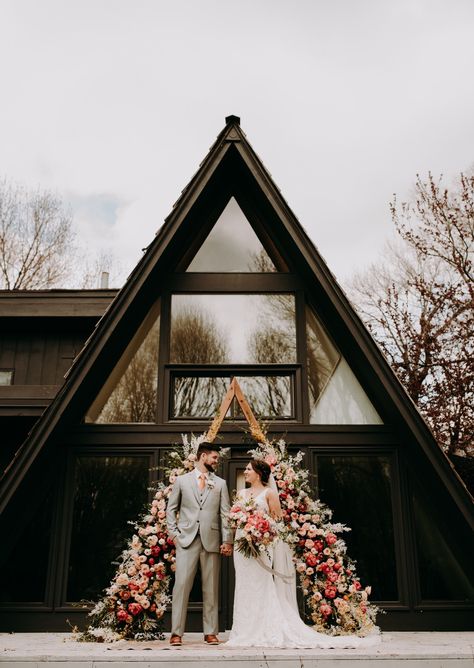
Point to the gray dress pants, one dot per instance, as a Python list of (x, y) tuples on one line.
[(186, 566)]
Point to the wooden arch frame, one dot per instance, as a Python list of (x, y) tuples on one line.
[(235, 391)]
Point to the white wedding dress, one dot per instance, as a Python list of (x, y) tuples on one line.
[(266, 615)]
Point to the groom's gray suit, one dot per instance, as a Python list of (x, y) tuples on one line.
[(198, 522)]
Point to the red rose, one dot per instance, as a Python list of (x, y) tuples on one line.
[(330, 592), (170, 541), (357, 585), (135, 608), (121, 615), (311, 560), (155, 550), (151, 560)]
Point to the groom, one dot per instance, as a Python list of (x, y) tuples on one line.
[(196, 516)]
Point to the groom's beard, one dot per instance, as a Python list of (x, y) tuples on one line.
[(209, 467)]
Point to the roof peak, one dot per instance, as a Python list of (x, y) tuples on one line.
[(232, 120)]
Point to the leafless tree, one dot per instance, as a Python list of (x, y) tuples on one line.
[(135, 395), (36, 238), (195, 339), (90, 272), (419, 305)]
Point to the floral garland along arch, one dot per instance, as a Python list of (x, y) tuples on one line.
[(136, 600)]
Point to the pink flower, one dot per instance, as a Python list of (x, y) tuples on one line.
[(330, 592), (311, 560), (331, 538), (325, 609), (271, 460), (135, 608), (122, 615)]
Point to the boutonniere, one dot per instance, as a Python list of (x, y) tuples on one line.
[(211, 483)]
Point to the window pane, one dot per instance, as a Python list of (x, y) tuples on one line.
[(197, 397), (335, 394), (24, 551), (130, 393), (236, 329), (358, 490), (6, 377), (109, 491), (445, 561), (268, 396), (200, 397), (232, 245)]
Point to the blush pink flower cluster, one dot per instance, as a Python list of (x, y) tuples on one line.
[(255, 529)]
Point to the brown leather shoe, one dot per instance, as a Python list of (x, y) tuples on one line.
[(176, 641), (211, 639)]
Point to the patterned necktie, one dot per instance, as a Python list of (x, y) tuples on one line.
[(202, 481)]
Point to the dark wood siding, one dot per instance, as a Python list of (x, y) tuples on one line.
[(41, 353)]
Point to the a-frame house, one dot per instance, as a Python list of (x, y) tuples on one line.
[(231, 286)]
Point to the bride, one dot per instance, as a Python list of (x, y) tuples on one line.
[(265, 607)]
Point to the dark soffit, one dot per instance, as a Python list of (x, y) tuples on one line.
[(232, 137)]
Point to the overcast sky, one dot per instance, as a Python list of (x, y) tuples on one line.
[(113, 104)]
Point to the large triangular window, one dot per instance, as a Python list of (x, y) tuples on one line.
[(232, 246), (130, 392), (335, 394)]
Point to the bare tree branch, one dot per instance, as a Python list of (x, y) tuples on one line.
[(419, 306), (36, 239)]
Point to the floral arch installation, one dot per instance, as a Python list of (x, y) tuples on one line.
[(134, 604)]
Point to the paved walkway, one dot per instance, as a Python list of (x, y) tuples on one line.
[(410, 650)]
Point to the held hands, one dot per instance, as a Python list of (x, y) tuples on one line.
[(226, 549)]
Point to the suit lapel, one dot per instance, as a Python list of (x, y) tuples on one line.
[(194, 486)]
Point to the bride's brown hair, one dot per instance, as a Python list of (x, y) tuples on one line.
[(262, 468)]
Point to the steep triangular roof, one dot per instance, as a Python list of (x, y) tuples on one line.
[(231, 153)]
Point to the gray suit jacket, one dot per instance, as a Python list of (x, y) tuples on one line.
[(186, 514)]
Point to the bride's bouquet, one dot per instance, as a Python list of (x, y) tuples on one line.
[(255, 529)]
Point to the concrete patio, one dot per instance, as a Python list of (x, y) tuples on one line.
[(410, 650)]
